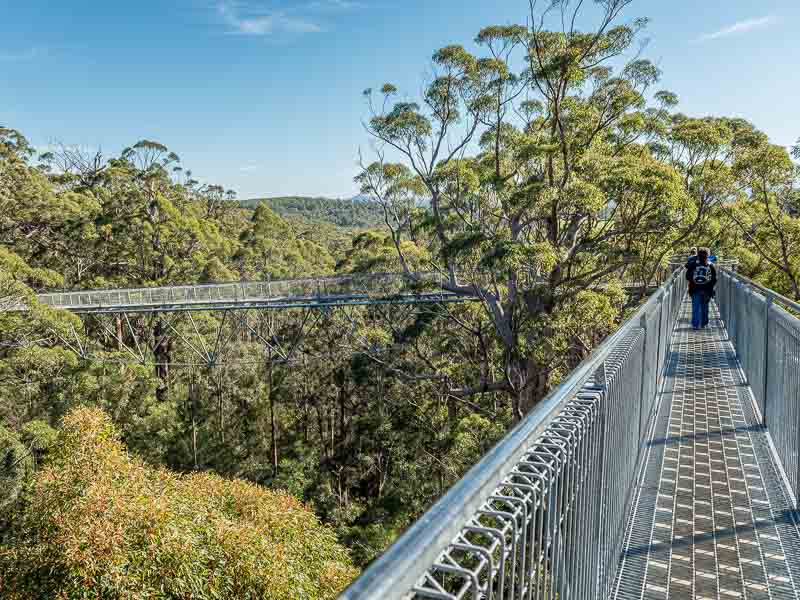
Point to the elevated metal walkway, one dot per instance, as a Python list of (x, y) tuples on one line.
[(313, 292), (712, 517), (667, 465), (358, 289)]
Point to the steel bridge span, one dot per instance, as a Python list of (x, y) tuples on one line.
[(315, 292), (667, 465)]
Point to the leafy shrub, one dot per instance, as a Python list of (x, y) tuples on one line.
[(99, 523)]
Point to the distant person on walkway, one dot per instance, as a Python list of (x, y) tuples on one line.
[(702, 277), (692, 258)]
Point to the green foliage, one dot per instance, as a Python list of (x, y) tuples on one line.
[(564, 191), (38, 437), (353, 213), (102, 523), (473, 437), (16, 462), (374, 252), (270, 252), (540, 172)]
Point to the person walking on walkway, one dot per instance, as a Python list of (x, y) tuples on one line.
[(702, 277), (692, 258)]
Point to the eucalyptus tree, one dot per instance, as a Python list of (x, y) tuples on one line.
[(526, 175), (269, 250), (42, 223), (767, 213)]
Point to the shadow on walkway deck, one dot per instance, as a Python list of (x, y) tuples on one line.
[(711, 517)]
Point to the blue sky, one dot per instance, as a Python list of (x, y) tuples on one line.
[(264, 96)]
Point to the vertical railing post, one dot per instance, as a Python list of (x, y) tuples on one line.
[(601, 384), (730, 324), (659, 364), (736, 299), (643, 388), (768, 300), (729, 312)]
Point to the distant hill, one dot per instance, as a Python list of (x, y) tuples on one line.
[(356, 213), (329, 222)]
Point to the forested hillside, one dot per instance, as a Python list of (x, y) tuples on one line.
[(331, 223), (536, 174), (359, 213)]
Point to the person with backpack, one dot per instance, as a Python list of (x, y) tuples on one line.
[(702, 277), (692, 258)]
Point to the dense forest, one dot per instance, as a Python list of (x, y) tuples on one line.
[(536, 175), (358, 212), (331, 223)]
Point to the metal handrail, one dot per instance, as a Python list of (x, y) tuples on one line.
[(764, 328), (377, 275), (408, 561), (356, 288), (424, 275), (303, 290), (776, 297)]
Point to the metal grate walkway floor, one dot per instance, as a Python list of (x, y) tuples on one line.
[(711, 517)]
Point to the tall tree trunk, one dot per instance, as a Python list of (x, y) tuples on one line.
[(342, 438), (272, 428), (118, 323), (322, 431), (452, 413), (220, 406), (162, 353), (193, 392), (305, 419)]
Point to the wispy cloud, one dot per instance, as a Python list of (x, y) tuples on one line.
[(741, 27), (253, 21), (22, 55), (262, 18), (249, 168), (331, 5)]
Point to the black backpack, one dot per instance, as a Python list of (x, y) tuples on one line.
[(701, 274)]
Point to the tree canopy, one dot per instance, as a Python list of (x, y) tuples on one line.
[(180, 455), (98, 521)]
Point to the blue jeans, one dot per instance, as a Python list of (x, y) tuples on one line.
[(700, 302)]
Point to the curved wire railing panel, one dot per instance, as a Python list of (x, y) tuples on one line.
[(766, 335), (542, 515)]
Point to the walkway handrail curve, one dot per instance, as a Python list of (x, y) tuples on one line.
[(398, 573)]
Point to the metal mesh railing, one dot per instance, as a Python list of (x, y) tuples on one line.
[(542, 515), (357, 288), (766, 336), (279, 292)]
